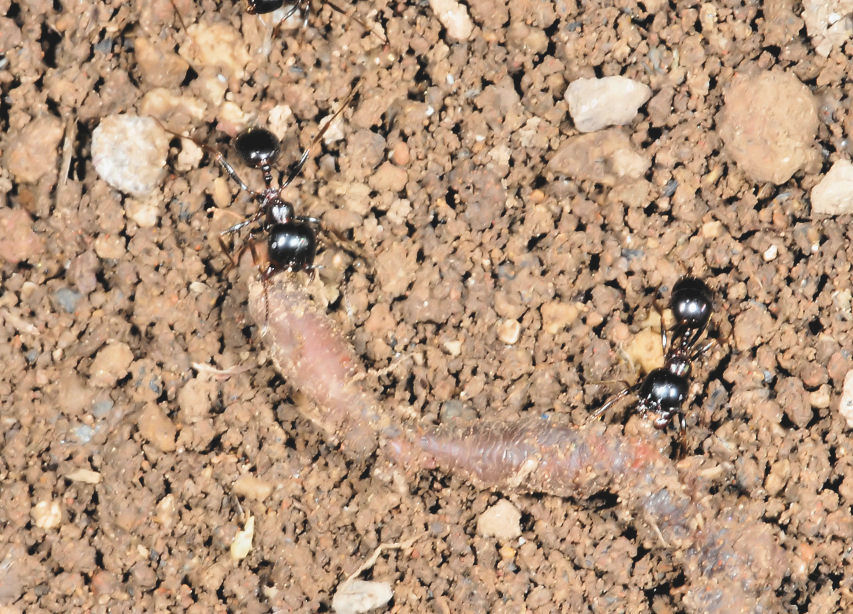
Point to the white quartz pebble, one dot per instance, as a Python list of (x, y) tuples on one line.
[(611, 101)]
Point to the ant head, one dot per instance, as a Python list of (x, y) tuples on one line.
[(258, 147), (292, 246), (663, 391), (279, 212), (691, 303), (260, 7)]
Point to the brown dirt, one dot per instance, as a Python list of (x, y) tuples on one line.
[(102, 320)]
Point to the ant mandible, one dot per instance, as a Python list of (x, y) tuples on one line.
[(663, 391)]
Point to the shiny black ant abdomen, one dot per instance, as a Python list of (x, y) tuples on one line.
[(262, 7), (663, 391)]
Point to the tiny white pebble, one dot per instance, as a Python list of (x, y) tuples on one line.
[(242, 544), (356, 596), (453, 347), (129, 153), (454, 17), (502, 520), (845, 407), (450, 80), (47, 514), (509, 331), (770, 253)]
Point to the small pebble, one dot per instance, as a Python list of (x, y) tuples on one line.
[(242, 544), (846, 404), (388, 178), (252, 487), (356, 596), (607, 157), (67, 299), (768, 124), (556, 316), (109, 247), (82, 433), (18, 242), (234, 117), (452, 346), (827, 23), (158, 66), (195, 399), (167, 511), (189, 157), (454, 408), (217, 45), (87, 476), (47, 514), (129, 153), (646, 350), (610, 101), (770, 253), (502, 520), (156, 427), (833, 195), (279, 120), (33, 152), (82, 272), (110, 364), (820, 398), (145, 213), (400, 155), (454, 17), (509, 331)]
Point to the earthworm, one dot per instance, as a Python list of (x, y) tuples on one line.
[(313, 356), (732, 562)]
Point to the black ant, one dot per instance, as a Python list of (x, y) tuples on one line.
[(291, 239), (663, 391)]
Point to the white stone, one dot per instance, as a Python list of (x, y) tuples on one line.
[(47, 514), (502, 520), (356, 596), (242, 544), (454, 17), (828, 23), (611, 101), (834, 194), (770, 253), (145, 213), (845, 407), (129, 153), (509, 331)]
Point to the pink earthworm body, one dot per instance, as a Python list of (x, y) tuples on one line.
[(732, 563)]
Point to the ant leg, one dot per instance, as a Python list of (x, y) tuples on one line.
[(297, 167), (240, 225), (682, 436), (228, 252), (613, 400), (217, 156), (663, 339), (308, 220), (178, 13), (708, 345), (266, 275), (337, 8)]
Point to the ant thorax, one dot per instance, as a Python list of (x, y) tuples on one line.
[(278, 211)]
